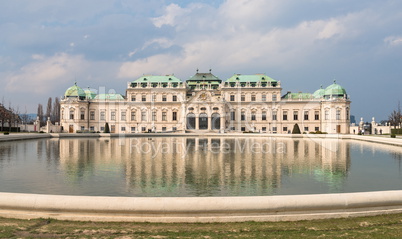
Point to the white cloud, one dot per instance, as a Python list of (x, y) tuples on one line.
[(162, 42), (227, 46), (331, 28), (393, 40), (171, 13), (42, 74)]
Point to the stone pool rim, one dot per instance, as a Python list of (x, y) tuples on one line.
[(201, 209)]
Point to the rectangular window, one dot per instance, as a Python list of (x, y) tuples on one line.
[(153, 98), (143, 116), (174, 116), (163, 129), (113, 116), (264, 115), (112, 129), (92, 115), (243, 116), (133, 98), (164, 116), (317, 115), (82, 115), (232, 115), (285, 115), (326, 115), (232, 98), (252, 97), (274, 129), (153, 115), (264, 129), (132, 129), (317, 129), (92, 128), (274, 97), (243, 129), (82, 128), (264, 98), (232, 128), (338, 114), (174, 128), (295, 115), (144, 98), (253, 116), (347, 114), (123, 128), (71, 115), (305, 129), (123, 116), (243, 98), (305, 115), (133, 116), (285, 129), (164, 98), (143, 129), (274, 115), (174, 98), (102, 129), (102, 115)]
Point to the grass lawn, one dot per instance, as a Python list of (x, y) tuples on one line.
[(386, 226)]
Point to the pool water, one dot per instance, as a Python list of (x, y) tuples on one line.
[(203, 166)]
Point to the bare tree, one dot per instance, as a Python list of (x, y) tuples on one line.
[(56, 110), (40, 114), (3, 115), (395, 117), (49, 108)]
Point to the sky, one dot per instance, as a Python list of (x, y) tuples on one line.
[(47, 45)]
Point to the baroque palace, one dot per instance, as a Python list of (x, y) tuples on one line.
[(204, 103)]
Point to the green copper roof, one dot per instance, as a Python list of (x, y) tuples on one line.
[(319, 93), (157, 79), (334, 90), (90, 94), (250, 78), (109, 97), (300, 95), (204, 77), (75, 91)]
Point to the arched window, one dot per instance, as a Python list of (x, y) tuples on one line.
[(191, 121), (216, 121), (203, 121)]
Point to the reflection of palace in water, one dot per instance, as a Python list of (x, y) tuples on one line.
[(205, 166)]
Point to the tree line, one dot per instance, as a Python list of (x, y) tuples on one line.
[(9, 116), (52, 111), (395, 118)]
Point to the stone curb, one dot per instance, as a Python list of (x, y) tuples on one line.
[(199, 209)]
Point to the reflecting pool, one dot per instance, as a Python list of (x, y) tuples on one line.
[(205, 166)]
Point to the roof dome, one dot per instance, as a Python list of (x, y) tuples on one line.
[(89, 93), (319, 93), (75, 91), (335, 90)]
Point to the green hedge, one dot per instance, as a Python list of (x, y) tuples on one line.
[(396, 131)]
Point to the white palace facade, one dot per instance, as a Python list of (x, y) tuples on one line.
[(205, 103)]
